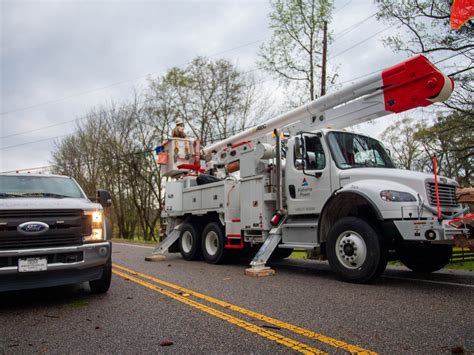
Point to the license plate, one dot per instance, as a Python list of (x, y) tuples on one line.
[(32, 264)]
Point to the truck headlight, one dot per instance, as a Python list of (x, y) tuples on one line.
[(397, 196), (95, 219)]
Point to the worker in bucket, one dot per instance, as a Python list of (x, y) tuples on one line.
[(178, 130)]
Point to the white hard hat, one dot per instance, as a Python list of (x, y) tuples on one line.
[(179, 121)]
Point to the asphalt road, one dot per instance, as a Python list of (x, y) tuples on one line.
[(202, 308)]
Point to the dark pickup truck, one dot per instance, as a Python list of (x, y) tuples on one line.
[(51, 234)]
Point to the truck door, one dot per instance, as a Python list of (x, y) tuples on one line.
[(308, 174)]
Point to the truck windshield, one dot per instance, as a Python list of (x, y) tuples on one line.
[(351, 150), (38, 186)]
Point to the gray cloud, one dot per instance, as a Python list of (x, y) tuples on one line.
[(55, 49)]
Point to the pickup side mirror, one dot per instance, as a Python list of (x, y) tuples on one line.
[(104, 198)]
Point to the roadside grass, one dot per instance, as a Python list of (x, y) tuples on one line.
[(298, 254), (465, 265), (458, 265)]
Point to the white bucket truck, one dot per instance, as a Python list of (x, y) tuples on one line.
[(300, 181)]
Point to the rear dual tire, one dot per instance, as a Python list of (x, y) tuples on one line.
[(196, 243), (213, 242), (190, 242), (425, 258)]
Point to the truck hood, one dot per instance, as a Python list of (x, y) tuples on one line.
[(405, 177), (41, 203)]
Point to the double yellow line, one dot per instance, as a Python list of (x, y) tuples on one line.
[(183, 297)]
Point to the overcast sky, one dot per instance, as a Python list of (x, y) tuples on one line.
[(61, 58)]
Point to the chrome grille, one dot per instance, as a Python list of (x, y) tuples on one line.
[(447, 195), (66, 228)]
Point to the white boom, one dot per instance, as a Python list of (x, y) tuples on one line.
[(413, 83)]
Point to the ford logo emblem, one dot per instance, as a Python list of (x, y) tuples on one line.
[(30, 228)]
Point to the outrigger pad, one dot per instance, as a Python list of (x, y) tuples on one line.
[(155, 257), (259, 272)]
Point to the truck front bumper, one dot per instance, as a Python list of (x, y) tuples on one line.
[(65, 265), (430, 230)]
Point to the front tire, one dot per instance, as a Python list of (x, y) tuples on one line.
[(355, 250), (190, 242), (213, 241), (425, 258), (102, 285)]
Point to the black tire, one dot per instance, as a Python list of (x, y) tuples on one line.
[(355, 250), (102, 285), (190, 241), (281, 253), (425, 257), (213, 241)]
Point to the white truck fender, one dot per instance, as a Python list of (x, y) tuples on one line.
[(371, 190)]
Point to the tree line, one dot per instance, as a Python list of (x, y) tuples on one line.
[(112, 147)]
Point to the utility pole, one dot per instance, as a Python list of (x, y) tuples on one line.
[(323, 65)]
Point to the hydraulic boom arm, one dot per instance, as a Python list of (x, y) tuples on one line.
[(412, 83)]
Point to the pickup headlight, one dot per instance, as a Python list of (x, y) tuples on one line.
[(97, 233), (397, 196)]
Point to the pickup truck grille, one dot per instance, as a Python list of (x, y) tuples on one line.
[(447, 195), (66, 228)]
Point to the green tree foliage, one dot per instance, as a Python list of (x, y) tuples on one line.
[(450, 138), (405, 150), (425, 28), (294, 51)]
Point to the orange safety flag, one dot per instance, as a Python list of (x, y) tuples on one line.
[(461, 12)]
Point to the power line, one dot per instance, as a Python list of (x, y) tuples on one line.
[(460, 71), (359, 43), (212, 139), (342, 7), (349, 29), (125, 106), (246, 72), (452, 56), (38, 141), (265, 80), (117, 83), (257, 83), (42, 128), (89, 91), (61, 123)]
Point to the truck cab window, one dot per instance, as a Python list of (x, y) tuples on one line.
[(313, 157), (355, 151)]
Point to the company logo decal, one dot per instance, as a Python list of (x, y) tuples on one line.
[(32, 228), (305, 190)]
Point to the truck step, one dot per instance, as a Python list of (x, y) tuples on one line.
[(301, 225), (231, 239), (298, 246)]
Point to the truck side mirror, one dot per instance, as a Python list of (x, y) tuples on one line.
[(104, 198), (298, 148)]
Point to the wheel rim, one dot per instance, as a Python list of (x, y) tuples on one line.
[(212, 243), (187, 241), (351, 250)]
